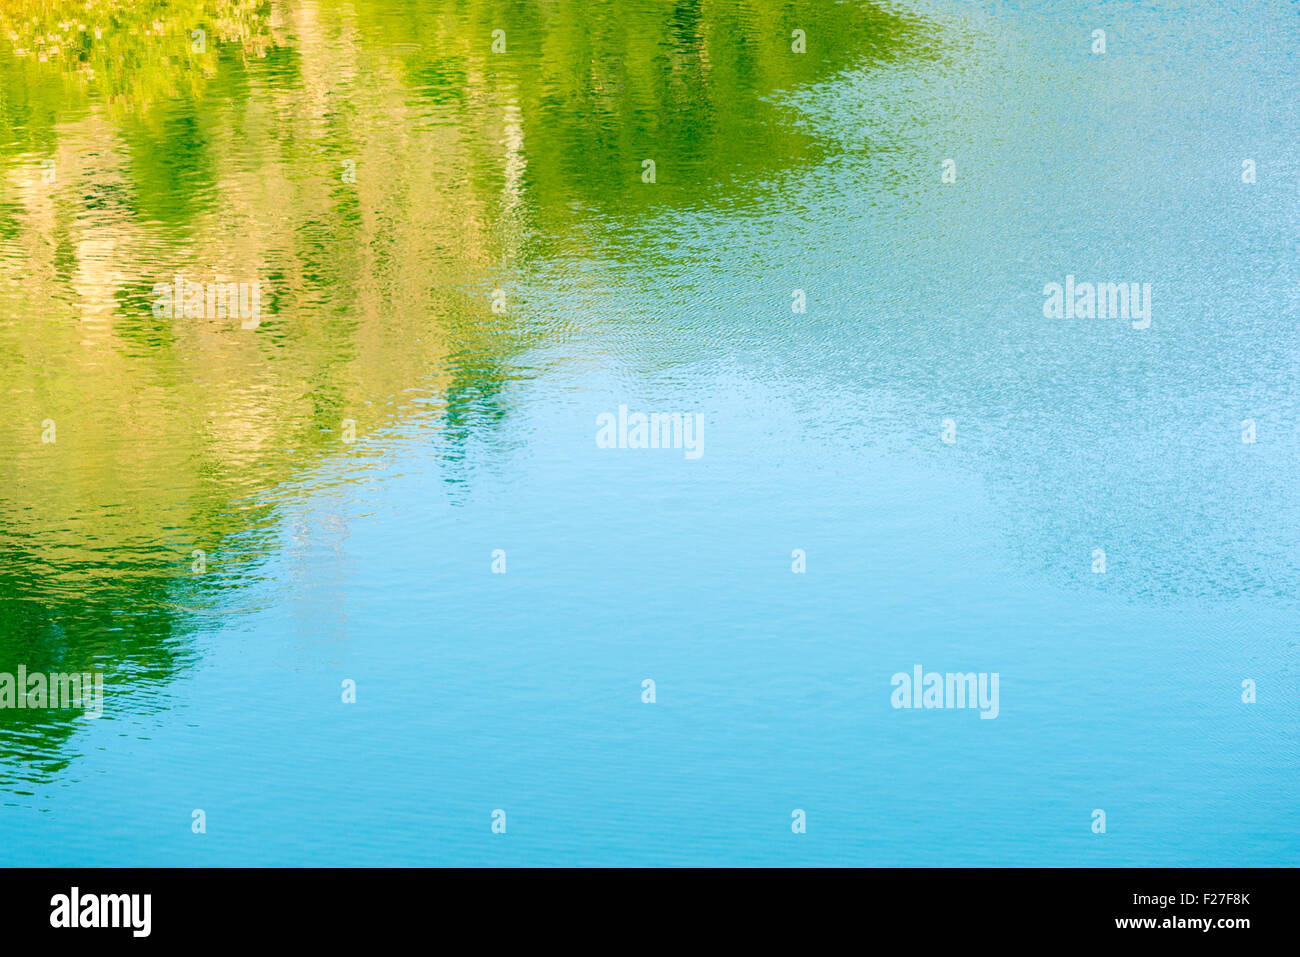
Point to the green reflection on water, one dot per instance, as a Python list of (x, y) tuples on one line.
[(131, 156)]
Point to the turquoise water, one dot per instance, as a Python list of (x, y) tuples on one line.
[(822, 431)]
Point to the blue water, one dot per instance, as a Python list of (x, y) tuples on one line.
[(822, 431)]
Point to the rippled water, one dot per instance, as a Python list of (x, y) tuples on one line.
[(458, 258)]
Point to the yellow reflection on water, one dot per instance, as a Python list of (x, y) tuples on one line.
[(379, 171)]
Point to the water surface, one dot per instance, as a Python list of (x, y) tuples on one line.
[(515, 178)]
